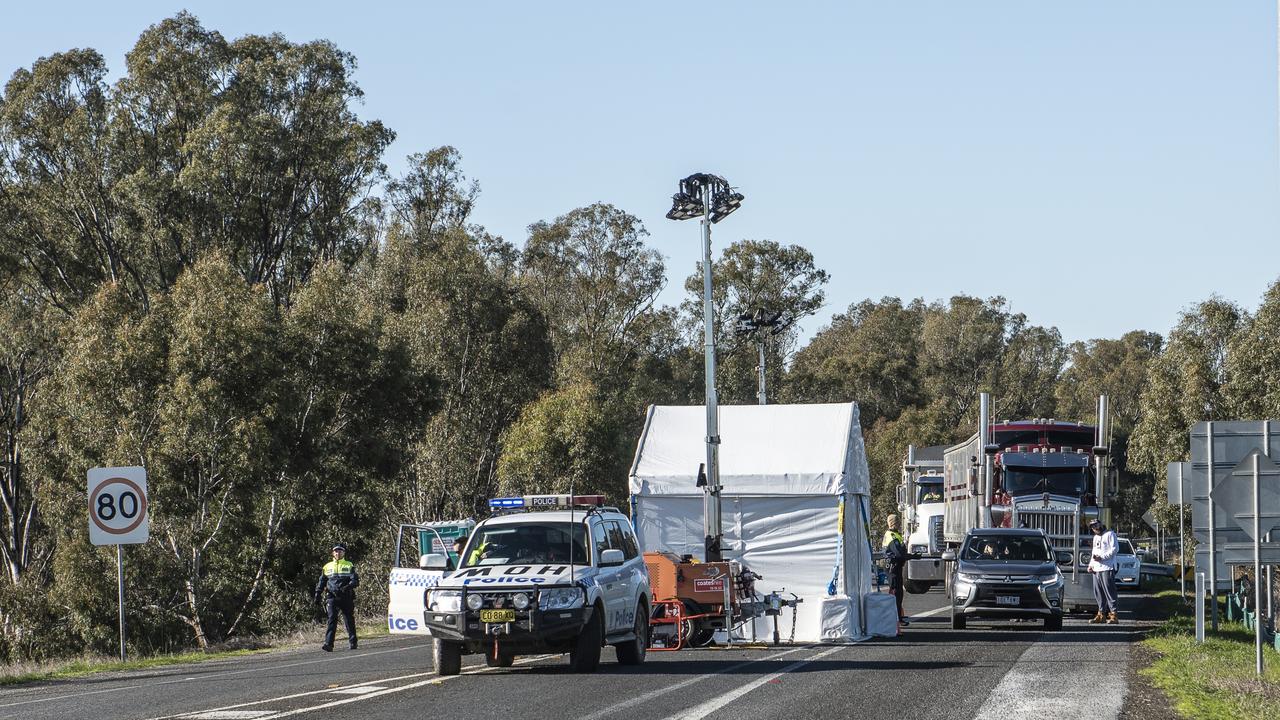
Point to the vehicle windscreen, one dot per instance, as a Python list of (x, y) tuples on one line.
[(532, 543), (1064, 481), (1009, 548), (929, 493)]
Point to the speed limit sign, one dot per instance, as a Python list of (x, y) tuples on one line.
[(118, 506)]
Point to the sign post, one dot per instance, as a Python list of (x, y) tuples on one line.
[(118, 516)]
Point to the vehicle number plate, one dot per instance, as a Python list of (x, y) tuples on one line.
[(497, 616), (1008, 600)]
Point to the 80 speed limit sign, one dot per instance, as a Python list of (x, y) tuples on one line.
[(118, 506)]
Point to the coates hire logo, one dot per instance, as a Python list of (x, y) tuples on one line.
[(511, 574)]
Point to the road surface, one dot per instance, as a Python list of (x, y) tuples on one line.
[(994, 669)]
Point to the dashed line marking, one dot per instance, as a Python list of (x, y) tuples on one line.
[(358, 690)]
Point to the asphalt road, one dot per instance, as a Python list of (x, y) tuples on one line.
[(991, 670)]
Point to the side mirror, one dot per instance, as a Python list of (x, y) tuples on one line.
[(948, 555), (1063, 557), (433, 561), (611, 557)]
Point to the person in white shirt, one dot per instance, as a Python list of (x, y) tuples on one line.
[(1103, 567)]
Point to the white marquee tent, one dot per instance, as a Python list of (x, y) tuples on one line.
[(795, 504)]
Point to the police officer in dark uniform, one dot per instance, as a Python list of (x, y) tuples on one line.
[(895, 552), (339, 581)]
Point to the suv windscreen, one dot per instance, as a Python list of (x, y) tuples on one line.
[(1008, 548), (532, 543)]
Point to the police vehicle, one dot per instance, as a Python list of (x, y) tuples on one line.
[(547, 573)]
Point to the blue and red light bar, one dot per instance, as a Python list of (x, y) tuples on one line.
[(545, 501)]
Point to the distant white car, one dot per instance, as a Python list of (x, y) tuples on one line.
[(1128, 566)]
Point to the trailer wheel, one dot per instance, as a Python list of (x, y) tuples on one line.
[(447, 656)]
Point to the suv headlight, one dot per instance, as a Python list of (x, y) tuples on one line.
[(966, 577), (560, 598), (445, 601), (1050, 579)]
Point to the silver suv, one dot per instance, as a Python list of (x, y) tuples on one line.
[(550, 581), (1005, 573)]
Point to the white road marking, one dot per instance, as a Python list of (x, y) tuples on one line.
[(194, 713), (229, 673), (1055, 677), (612, 710), (410, 686), (715, 703), (232, 715), (358, 689), (935, 611)]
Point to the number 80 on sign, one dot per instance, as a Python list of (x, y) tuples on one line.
[(118, 506)]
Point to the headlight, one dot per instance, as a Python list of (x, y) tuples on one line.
[(445, 600), (474, 602), (1050, 579), (560, 598), (966, 577), (520, 601)]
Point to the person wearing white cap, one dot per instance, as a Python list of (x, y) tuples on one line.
[(339, 580)]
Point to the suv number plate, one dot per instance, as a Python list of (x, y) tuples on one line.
[(497, 616), (1008, 600)]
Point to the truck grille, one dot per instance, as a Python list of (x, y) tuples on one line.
[(935, 533), (1059, 526)]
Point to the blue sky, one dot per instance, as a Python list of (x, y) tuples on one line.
[(1101, 164)]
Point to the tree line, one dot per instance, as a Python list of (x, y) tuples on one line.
[(207, 270)]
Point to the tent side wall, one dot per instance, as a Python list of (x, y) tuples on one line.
[(791, 540)]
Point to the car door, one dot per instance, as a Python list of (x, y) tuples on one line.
[(607, 577), (628, 580)]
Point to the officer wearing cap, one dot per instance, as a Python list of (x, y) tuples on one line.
[(339, 581)]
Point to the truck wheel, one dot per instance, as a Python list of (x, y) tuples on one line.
[(632, 652), (501, 660), (447, 656), (957, 621), (1053, 622), (585, 656), (917, 587)]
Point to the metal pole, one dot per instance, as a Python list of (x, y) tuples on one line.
[(711, 498), (1199, 607), (1182, 533), (1213, 536), (1266, 450), (984, 484), (120, 595), (760, 396), (1257, 571)]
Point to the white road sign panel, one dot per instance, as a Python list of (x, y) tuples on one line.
[(118, 506)]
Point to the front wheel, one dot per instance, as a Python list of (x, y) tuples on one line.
[(957, 620), (632, 652), (1053, 622), (447, 656), (585, 656)]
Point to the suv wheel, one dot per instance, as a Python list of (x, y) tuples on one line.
[(957, 620), (585, 656), (632, 652), (447, 656), (1053, 622)]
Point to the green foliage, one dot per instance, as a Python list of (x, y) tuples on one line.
[(1185, 385), (754, 276)]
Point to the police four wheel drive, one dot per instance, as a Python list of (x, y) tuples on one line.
[(569, 578), (1005, 573)]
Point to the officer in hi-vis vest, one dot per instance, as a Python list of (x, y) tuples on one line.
[(339, 580)]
